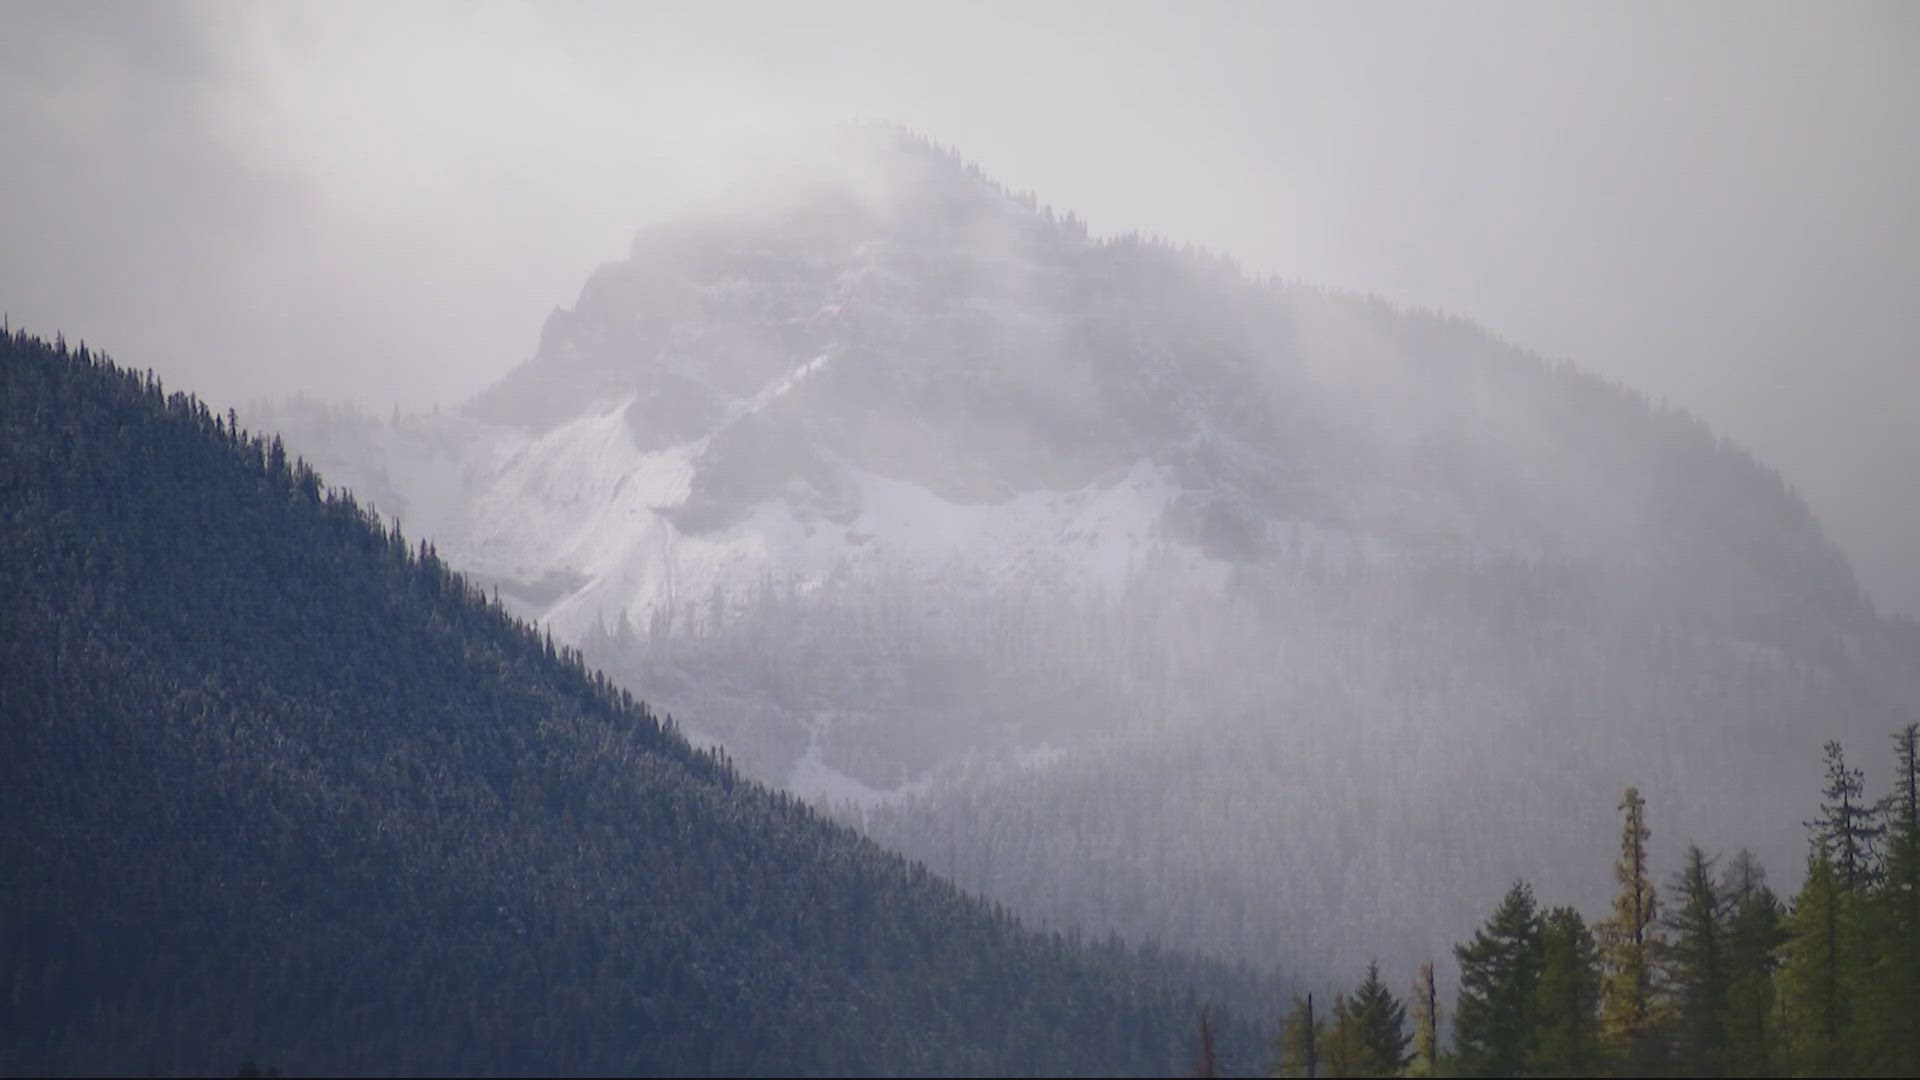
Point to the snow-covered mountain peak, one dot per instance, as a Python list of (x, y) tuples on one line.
[(708, 308), (904, 488), (892, 317)]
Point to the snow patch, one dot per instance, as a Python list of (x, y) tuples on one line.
[(583, 499)]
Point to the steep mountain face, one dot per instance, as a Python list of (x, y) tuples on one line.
[(912, 494), (280, 784), (908, 362)]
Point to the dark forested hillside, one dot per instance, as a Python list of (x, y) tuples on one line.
[(280, 784)]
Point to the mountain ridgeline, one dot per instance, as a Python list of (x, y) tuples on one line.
[(1132, 591), (281, 784)]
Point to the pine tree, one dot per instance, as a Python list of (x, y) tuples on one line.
[(1754, 935), (1697, 967), (1630, 946), (1569, 999), (1495, 1019), (1381, 1028), (1847, 824)]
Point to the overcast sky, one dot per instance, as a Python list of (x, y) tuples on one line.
[(1717, 204)]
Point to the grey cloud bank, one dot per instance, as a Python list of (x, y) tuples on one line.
[(1712, 203)]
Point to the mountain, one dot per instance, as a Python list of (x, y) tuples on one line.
[(1134, 591), (282, 785)]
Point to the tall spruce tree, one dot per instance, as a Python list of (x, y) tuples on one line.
[(1569, 1042), (1380, 1021), (1697, 967), (1495, 1022), (1630, 947)]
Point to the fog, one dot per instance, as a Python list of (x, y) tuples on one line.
[(1712, 203), (1262, 605)]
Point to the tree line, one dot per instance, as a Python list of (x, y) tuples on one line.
[(1710, 975)]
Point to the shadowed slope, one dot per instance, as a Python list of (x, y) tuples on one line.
[(279, 784)]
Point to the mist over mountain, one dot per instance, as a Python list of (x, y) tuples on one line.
[(1135, 592)]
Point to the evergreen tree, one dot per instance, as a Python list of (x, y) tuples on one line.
[(1495, 1021), (1381, 1026), (1569, 998), (1630, 946), (1341, 1047), (1697, 967), (1813, 978), (1889, 1002), (1847, 824), (1753, 936), (1903, 900)]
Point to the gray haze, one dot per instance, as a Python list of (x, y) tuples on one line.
[(1713, 203), (1137, 595)]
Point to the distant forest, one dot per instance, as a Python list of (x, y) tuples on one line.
[(1712, 975), (282, 787)]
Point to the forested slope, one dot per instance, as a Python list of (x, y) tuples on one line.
[(279, 784)]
